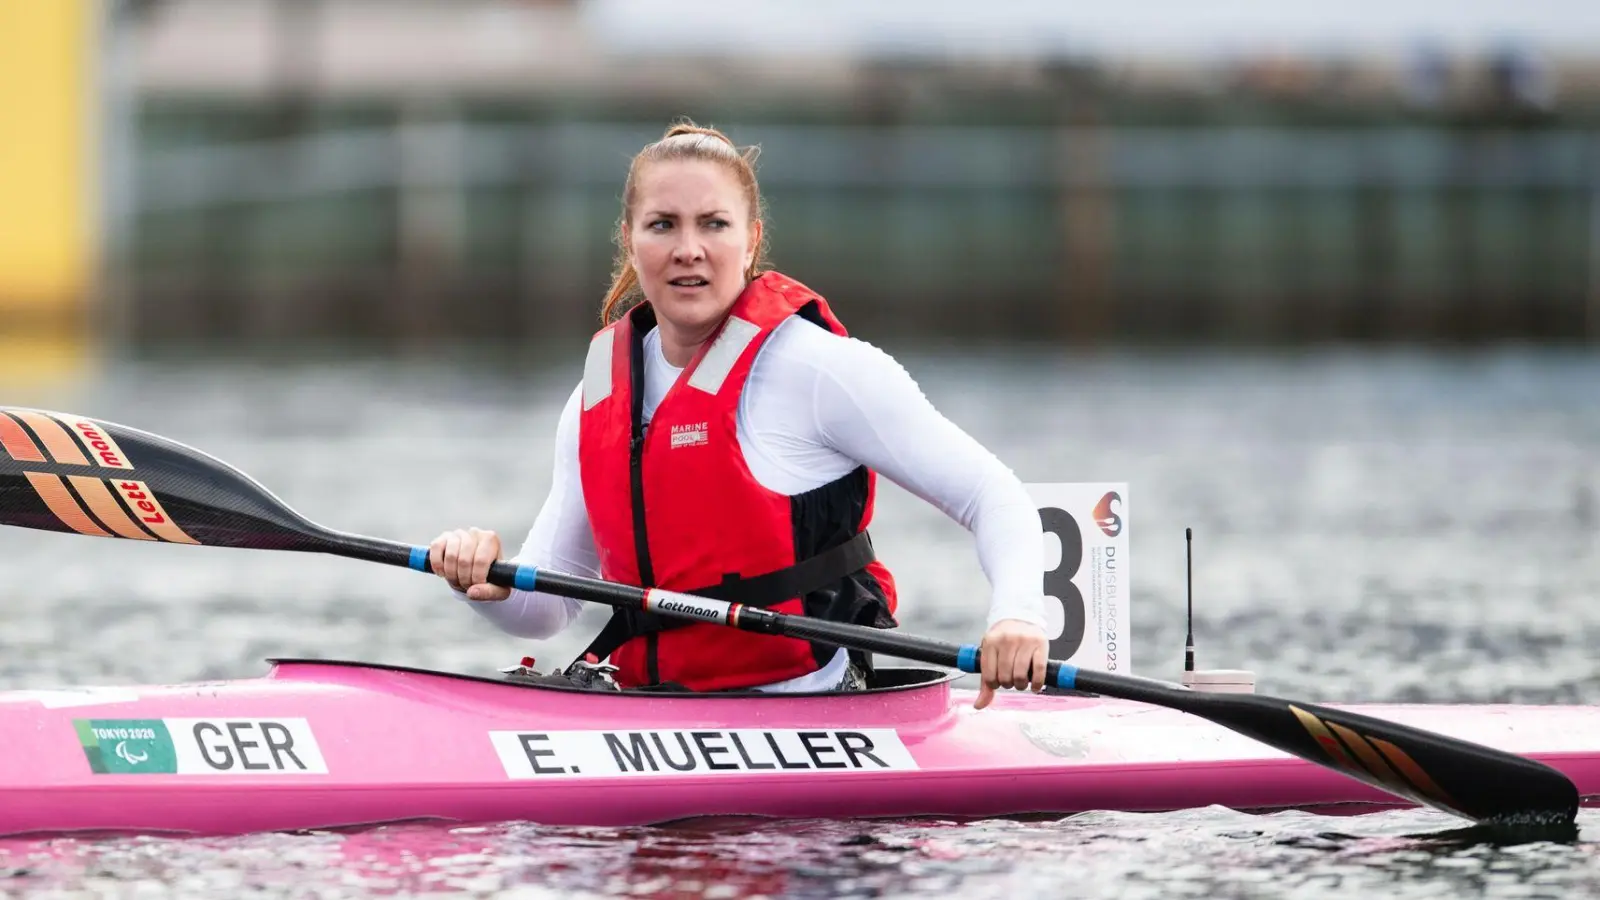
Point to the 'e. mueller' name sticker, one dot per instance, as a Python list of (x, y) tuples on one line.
[(705, 751)]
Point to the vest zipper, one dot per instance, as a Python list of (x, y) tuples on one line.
[(641, 546), (641, 539)]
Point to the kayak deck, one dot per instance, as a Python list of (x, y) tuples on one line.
[(324, 744)]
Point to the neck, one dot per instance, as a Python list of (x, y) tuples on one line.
[(679, 346)]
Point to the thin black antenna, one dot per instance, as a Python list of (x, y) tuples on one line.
[(1188, 552)]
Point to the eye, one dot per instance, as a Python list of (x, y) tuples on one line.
[(717, 224), (659, 225)]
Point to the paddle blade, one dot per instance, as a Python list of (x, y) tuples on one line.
[(68, 473), (1471, 780), (1477, 782)]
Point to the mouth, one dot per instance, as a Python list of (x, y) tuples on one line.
[(689, 281)]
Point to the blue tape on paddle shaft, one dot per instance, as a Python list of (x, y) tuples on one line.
[(419, 558), (967, 658), (1066, 677), (527, 577)]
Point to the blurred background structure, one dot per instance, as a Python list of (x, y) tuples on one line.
[(413, 173)]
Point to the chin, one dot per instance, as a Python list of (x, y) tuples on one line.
[(694, 313)]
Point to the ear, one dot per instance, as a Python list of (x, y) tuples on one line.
[(625, 240), (755, 244)]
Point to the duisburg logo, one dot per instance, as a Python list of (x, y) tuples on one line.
[(1107, 514)]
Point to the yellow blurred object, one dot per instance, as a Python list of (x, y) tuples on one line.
[(47, 179), (42, 359)]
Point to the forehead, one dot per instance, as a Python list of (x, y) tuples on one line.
[(678, 183)]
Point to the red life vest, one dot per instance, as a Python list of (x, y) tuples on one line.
[(675, 506)]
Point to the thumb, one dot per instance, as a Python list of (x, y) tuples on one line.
[(985, 694)]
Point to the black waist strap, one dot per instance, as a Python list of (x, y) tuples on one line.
[(797, 580), (774, 587)]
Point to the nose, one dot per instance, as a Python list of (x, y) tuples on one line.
[(688, 249)]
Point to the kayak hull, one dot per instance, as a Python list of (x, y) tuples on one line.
[(328, 744)]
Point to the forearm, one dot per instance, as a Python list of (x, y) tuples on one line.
[(1005, 525), (555, 542), (528, 614), (874, 411), (560, 540)]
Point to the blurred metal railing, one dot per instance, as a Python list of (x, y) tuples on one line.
[(469, 228)]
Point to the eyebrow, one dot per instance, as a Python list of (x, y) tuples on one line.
[(663, 214)]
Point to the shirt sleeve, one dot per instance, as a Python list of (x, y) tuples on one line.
[(868, 407), (560, 540)]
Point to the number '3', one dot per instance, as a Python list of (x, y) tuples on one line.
[(1058, 581)]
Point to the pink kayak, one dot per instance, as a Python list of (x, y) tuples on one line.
[(318, 744)]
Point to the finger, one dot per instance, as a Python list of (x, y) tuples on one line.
[(452, 551), (985, 694), (484, 592), (988, 665), (1007, 670), (1041, 660), (1023, 663), (436, 556), (464, 554), (488, 551), (444, 568)]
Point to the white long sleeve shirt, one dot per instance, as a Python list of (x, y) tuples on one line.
[(815, 407)]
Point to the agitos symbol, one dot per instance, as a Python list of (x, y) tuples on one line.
[(100, 507), (1379, 759)]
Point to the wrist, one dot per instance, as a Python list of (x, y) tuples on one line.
[(1029, 609)]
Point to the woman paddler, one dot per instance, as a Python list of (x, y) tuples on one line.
[(724, 442)]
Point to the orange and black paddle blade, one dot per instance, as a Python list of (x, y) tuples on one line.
[(1484, 784), (69, 473)]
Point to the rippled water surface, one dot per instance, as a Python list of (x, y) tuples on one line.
[(1389, 526), (1196, 853)]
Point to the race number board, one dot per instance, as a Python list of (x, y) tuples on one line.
[(1086, 574)]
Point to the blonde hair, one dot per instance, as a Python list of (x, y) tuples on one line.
[(682, 141)]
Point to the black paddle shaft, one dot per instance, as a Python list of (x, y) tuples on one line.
[(1477, 782), (66, 473)]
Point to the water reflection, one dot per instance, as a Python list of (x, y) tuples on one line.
[(1200, 853)]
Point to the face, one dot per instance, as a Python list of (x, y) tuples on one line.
[(691, 242)]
